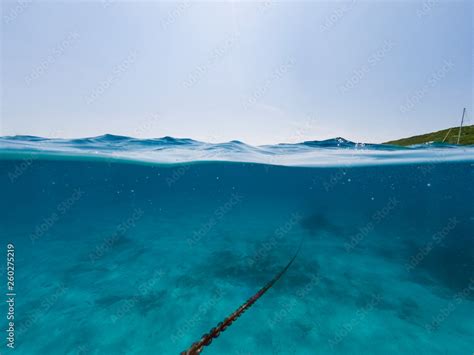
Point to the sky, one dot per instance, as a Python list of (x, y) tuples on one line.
[(258, 72)]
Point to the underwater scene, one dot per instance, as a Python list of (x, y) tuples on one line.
[(125, 246)]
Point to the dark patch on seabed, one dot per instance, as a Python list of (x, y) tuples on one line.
[(318, 223), (447, 258)]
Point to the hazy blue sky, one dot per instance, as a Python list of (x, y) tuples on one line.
[(256, 72)]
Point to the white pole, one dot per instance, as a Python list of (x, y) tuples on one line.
[(447, 134), (462, 120)]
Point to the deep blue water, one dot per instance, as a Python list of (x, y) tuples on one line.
[(118, 251)]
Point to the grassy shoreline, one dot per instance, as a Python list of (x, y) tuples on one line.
[(451, 135)]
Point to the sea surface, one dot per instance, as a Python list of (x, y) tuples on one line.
[(128, 246)]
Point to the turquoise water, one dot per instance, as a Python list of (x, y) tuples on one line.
[(119, 251)]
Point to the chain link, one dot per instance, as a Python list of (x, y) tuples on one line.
[(215, 332)]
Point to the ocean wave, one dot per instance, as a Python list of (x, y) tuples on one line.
[(170, 150)]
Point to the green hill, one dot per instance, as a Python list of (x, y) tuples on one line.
[(467, 137)]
